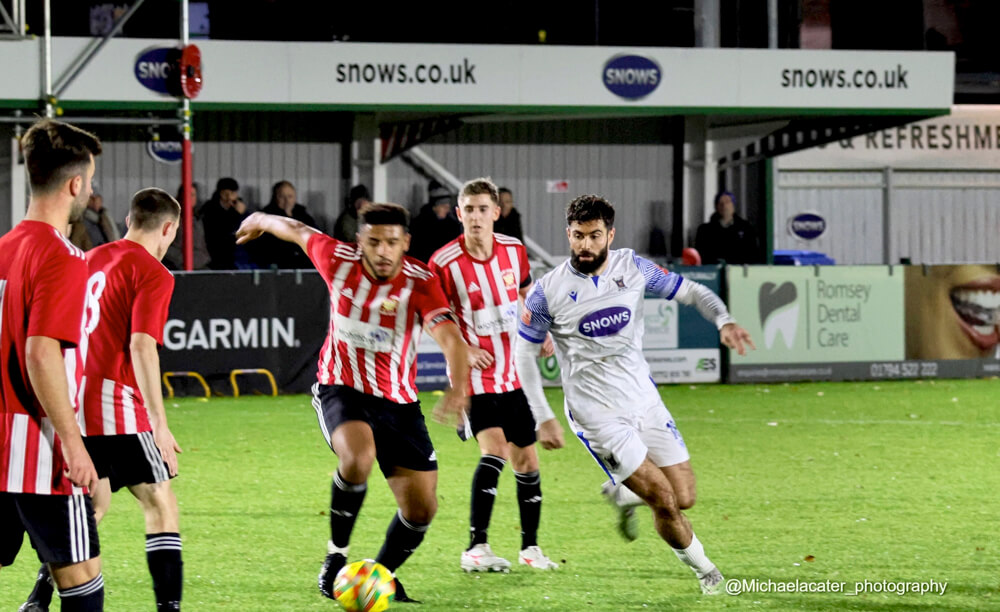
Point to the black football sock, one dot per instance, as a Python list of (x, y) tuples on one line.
[(401, 539), (42, 593), (484, 493), (345, 503), (529, 501), (163, 555), (87, 597)]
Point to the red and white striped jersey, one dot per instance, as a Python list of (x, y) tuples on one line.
[(42, 283), (128, 292), (374, 325), (484, 295)]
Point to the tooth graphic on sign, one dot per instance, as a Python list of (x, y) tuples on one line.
[(779, 312)]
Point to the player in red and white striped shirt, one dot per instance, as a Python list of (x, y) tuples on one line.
[(485, 276), (44, 464), (366, 398), (128, 296)]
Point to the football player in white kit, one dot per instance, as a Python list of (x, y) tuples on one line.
[(593, 306)]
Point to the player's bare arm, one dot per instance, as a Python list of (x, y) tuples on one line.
[(47, 373), (146, 363), (455, 401), (285, 228)]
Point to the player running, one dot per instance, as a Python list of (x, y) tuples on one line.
[(125, 424), (593, 306), (44, 465), (366, 397), (484, 275)]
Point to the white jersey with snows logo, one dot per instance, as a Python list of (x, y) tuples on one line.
[(597, 325)]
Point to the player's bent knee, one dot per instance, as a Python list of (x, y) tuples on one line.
[(524, 460), (686, 498), (421, 512), (69, 575), (355, 467)]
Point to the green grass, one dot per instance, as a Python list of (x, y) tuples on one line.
[(894, 481)]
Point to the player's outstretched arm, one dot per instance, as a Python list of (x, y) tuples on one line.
[(714, 309), (456, 400), (146, 363), (285, 228), (550, 433), (47, 373)]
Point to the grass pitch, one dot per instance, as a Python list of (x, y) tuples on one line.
[(836, 482)]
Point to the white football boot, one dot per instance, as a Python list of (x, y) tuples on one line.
[(480, 558), (713, 583), (533, 556)]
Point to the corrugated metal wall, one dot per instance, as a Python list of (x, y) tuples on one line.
[(314, 169), (626, 161), (934, 216), (946, 217), (851, 203)]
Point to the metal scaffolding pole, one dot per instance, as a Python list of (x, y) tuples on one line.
[(47, 62), (187, 205), (81, 62)]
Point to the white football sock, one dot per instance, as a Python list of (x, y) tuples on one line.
[(694, 557), (331, 549)]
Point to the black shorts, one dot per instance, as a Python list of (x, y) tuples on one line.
[(401, 438), (509, 411), (127, 459), (61, 527)]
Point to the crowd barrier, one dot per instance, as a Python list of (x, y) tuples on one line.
[(809, 323)]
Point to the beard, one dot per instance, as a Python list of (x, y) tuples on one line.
[(587, 267), (77, 207), (379, 277)]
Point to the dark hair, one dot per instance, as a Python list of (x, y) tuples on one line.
[(276, 187), (719, 195), (227, 183), (384, 214), (590, 208), (55, 152), (152, 207), (480, 186), (504, 190), (358, 192)]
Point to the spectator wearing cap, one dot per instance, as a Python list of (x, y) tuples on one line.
[(509, 222), (95, 227), (221, 217), (346, 226), (435, 225), (270, 252)]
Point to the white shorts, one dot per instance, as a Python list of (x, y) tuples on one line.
[(620, 440)]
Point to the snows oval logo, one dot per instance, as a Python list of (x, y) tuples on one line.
[(806, 226), (605, 322), (631, 76)]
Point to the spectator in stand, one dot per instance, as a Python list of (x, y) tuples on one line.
[(509, 222), (435, 225), (346, 227), (221, 217), (270, 252), (174, 259), (727, 237), (95, 227)]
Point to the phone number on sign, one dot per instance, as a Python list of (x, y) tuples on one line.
[(904, 369)]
